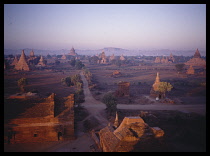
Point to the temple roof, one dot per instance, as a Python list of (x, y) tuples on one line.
[(15, 61), (22, 64), (197, 54), (32, 53), (72, 52), (72, 49)]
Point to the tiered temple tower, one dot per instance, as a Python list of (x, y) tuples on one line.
[(196, 60), (153, 91), (22, 64), (41, 62)]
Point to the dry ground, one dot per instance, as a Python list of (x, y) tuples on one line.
[(46, 82), (186, 89)]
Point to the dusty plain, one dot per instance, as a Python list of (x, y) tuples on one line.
[(184, 131)]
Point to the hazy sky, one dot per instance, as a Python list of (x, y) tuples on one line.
[(95, 26)]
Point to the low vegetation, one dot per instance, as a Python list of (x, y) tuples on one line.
[(22, 83), (163, 88), (110, 100)]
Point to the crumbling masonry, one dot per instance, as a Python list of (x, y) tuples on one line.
[(39, 123)]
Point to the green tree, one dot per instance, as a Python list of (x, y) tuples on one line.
[(110, 101), (72, 62), (179, 67), (75, 78), (22, 83), (93, 60), (163, 88), (79, 96), (79, 65), (78, 85), (66, 81)]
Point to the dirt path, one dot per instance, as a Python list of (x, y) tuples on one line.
[(84, 142), (95, 108), (200, 109)]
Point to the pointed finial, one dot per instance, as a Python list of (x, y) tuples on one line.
[(157, 80), (116, 122)]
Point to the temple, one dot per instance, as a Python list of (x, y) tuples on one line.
[(153, 91), (22, 64), (41, 122), (123, 138), (190, 70), (42, 62), (196, 60), (72, 52)]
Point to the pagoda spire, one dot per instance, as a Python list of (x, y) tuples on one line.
[(116, 122), (15, 61), (197, 54), (157, 82), (41, 59), (22, 64)]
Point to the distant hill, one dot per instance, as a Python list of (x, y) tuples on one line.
[(108, 51)]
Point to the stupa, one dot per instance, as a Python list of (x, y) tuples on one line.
[(111, 57), (116, 122), (72, 52), (63, 57), (191, 70), (122, 58), (157, 82), (157, 60), (171, 58), (22, 64), (15, 61), (153, 91), (32, 54), (196, 60), (103, 58), (41, 62)]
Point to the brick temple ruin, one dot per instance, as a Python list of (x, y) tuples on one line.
[(15, 61), (190, 70), (167, 59), (22, 63), (63, 57), (196, 60), (154, 89), (123, 138), (123, 89), (72, 52), (41, 62), (32, 60), (122, 58), (102, 58), (42, 122), (116, 74), (112, 57)]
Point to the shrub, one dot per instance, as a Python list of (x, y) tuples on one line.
[(110, 101), (66, 81), (22, 83), (179, 67)]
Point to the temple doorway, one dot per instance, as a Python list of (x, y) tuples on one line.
[(60, 135)]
